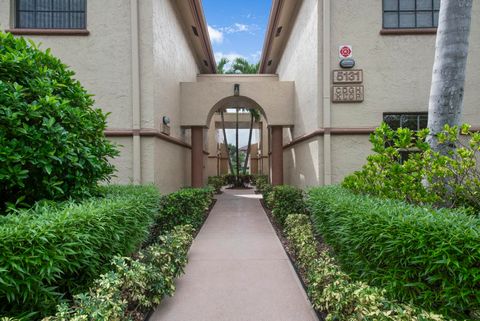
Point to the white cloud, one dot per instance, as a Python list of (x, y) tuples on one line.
[(239, 27), (256, 56), (216, 35)]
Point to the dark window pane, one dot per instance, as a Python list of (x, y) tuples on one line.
[(44, 5), (390, 4), (26, 4), (77, 5), (409, 121), (56, 14), (390, 20), (424, 19), (407, 4), (435, 19), (392, 120), (60, 5), (44, 20), (424, 4), (26, 20), (407, 20), (77, 20), (60, 20), (423, 121), (436, 4)]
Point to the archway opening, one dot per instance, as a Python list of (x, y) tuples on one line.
[(237, 140)]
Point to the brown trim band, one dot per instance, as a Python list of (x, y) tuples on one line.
[(145, 133), (49, 32), (409, 31), (330, 131)]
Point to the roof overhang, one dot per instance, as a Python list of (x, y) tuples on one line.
[(195, 26), (282, 18)]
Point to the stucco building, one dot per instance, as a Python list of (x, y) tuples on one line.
[(150, 64)]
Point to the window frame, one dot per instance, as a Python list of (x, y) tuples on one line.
[(411, 29), (16, 30)]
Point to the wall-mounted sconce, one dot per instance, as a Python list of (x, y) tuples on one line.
[(236, 90), (166, 125)]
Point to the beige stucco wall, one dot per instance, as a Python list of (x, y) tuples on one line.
[(173, 62), (274, 97), (397, 68), (300, 63), (103, 64)]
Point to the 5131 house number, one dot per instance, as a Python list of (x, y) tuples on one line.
[(348, 76)]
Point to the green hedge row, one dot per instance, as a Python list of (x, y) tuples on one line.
[(52, 251), (331, 291), (134, 285), (285, 200), (185, 206), (419, 255)]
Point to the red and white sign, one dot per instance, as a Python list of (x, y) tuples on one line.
[(345, 51)]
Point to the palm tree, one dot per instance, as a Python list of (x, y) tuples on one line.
[(448, 76), (242, 66), (254, 117), (225, 141), (221, 65)]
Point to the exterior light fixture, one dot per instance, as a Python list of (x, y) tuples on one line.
[(166, 120), (236, 90), (347, 63)]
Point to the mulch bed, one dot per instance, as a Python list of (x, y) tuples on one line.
[(291, 256)]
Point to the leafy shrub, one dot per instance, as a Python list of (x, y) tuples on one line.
[(216, 182), (332, 291), (255, 178), (52, 142), (418, 254), (186, 206), (139, 283), (238, 180), (51, 251), (449, 179), (285, 200)]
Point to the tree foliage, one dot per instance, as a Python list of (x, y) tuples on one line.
[(52, 143)]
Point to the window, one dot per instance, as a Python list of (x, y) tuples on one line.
[(50, 14), (398, 14), (414, 121)]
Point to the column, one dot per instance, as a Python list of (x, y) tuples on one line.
[(197, 156), (277, 155)]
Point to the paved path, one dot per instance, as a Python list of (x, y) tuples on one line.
[(237, 270)]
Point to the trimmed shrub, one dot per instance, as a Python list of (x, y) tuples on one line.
[(285, 200), (453, 177), (185, 206), (332, 291), (51, 251), (134, 285), (52, 142), (217, 182), (418, 254)]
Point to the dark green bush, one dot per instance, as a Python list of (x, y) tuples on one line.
[(50, 251), (332, 291), (217, 182), (134, 285), (419, 255), (285, 200), (52, 143), (186, 206)]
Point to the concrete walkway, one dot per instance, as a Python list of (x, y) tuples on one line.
[(237, 270)]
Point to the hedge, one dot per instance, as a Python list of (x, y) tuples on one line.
[(185, 206), (133, 285), (50, 251), (333, 292), (285, 200), (418, 254)]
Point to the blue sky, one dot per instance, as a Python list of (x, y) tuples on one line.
[(237, 28)]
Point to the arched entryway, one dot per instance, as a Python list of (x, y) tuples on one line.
[(202, 99)]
